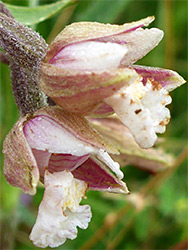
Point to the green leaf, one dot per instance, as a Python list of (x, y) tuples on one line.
[(102, 11), (33, 15)]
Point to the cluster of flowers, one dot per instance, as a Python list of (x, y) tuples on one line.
[(88, 70)]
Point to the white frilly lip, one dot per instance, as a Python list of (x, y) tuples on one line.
[(142, 109), (59, 213)]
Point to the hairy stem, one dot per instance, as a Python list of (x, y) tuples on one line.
[(25, 50)]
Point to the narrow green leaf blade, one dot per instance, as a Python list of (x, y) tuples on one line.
[(103, 11), (33, 15)]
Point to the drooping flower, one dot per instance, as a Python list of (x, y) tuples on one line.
[(89, 70), (64, 152)]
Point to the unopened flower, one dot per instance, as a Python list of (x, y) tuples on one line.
[(64, 152), (89, 70)]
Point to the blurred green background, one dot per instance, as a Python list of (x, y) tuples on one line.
[(156, 215)]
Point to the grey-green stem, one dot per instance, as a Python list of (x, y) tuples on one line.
[(25, 50)]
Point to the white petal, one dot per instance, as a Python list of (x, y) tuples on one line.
[(59, 212), (43, 133), (142, 109), (90, 56), (114, 166)]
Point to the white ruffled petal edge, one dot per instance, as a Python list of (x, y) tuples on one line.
[(142, 109), (59, 213)]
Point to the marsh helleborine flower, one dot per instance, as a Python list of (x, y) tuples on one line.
[(61, 150), (89, 70)]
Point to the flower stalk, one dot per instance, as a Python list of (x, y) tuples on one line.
[(24, 49)]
